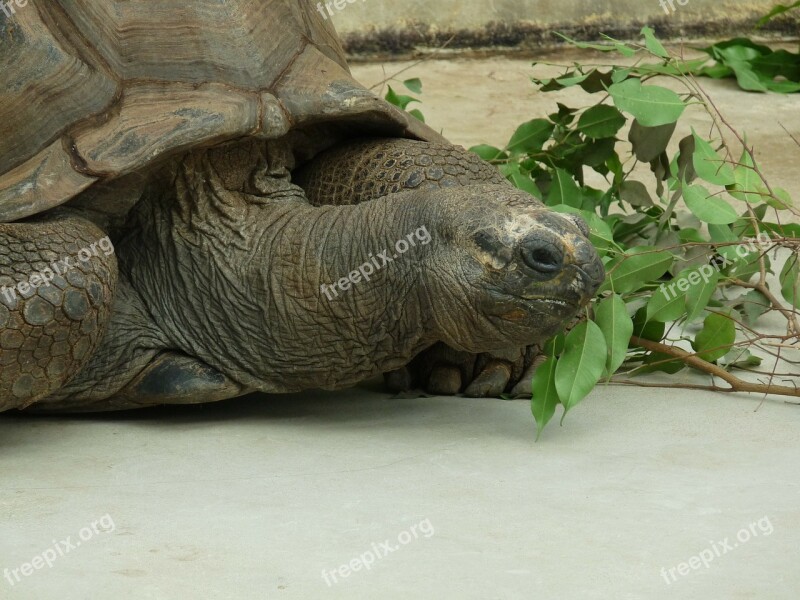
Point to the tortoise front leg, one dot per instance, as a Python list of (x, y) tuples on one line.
[(57, 282)]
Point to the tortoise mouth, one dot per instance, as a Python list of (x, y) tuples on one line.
[(556, 303), (536, 310), (546, 306), (572, 287)]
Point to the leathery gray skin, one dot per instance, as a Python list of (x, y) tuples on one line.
[(221, 274)]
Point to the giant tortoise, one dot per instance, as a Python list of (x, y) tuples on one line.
[(197, 201)]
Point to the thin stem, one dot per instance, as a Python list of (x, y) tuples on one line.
[(737, 385)]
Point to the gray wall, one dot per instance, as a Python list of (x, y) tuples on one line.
[(387, 26)]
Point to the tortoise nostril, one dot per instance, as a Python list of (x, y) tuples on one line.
[(544, 257)]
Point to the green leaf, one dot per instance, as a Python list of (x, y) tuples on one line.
[(601, 121), (612, 318), (781, 86), (489, 153), (778, 10), (689, 235), (748, 186), (651, 105), (746, 263), (753, 304), (596, 153), (417, 114), (744, 226), (738, 55), (674, 67), (564, 190), (545, 396), (780, 200), (555, 345), (790, 282), (782, 229), (707, 208), (740, 358), (655, 362), (597, 81), (415, 85), (716, 71), (652, 44), (648, 330), (747, 79), (722, 234), (650, 142), (565, 115), (666, 304), (780, 63), (530, 137), (716, 338), (620, 74), (631, 271), (744, 48), (684, 163), (614, 46), (581, 365), (709, 165), (703, 281), (635, 193), (600, 233), (401, 101), (569, 79), (620, 46), (520, 180)]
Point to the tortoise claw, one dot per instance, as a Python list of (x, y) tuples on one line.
[(399, 380), (442, 371), (445, 380), (492, 381)]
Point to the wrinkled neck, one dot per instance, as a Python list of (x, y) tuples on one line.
[(278, 295)]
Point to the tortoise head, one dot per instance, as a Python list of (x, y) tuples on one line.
[(524, 270)]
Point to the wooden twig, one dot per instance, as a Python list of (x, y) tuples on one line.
[(794, 139), (737, 385), (414, 64), (794, 327)]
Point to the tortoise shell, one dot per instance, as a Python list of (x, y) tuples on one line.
[(93, 90)]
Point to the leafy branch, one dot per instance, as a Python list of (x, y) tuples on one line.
[(694, 253), (402, 101), (736, 384), (778, 10)]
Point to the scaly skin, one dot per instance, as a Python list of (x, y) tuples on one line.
[(253, 305), (224, 261), (49, 332), (363, 170), (366, 169)]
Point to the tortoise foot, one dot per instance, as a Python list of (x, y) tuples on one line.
[(442, 371)]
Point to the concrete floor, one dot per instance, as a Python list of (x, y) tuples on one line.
[(264, 497)]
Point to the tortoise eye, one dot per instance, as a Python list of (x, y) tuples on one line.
[(486, 242)]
